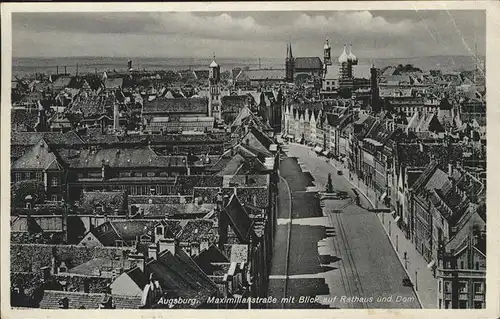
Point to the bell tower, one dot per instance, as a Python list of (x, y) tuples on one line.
[(214, 100), (327, 55)]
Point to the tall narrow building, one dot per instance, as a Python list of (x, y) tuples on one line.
[(289, 64), (374, 100), (214, 100)]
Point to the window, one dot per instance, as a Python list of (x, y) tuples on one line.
[(159, 230), (477, 265), (53, 198), (447, 286), (18, 177), (439, 288), (39, 176), (478, 304), (446, 304), (462, 304), (439, 305), (151, 174), (55, 181), (462, 264), (462, 286), (478, 288)]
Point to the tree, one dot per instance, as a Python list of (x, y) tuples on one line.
[(21, 189), (329, 185)]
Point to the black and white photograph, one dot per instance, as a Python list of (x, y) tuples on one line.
[(243, 159)]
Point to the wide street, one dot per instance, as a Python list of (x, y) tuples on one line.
[(335, 250)]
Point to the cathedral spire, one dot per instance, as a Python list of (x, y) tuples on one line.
[(290, 53)]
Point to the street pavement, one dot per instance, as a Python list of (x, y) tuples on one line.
[(415, 264), (336, 251)]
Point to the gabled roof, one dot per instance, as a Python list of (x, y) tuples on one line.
[(23, 120), (261, 74), (40, 157), (126, 230), (180, 276), (239, 219), (113, 83), (308, 63), (243, 114)]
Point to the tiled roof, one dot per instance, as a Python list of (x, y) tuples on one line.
[(91, 105), (176, 105), (198, 229), (262, 74), (39, 157), (77, 300), (237, 252), (239, 219), (113, 83), (410, 154), (52, 138), (93, 267), (308, 63), (125, 230), (233, 103), (61, 82), (123, 157), (24, 120), (179, 276), (111, 200)]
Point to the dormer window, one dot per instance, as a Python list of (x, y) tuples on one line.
[(159, 230)]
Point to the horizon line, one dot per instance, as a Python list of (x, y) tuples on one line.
[(229, 57)]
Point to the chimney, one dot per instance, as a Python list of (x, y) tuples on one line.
[(167, 244), (246, 179), (45, 273), (219, 201), (153, 251), (137, 259), (65, 72), (103, 170), (53, 265), (116, 117)]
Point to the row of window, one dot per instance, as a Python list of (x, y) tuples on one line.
[(462, 304), (22, 176), (462, 287)]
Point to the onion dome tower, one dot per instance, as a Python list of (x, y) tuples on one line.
[(344, 65), (327, 53)]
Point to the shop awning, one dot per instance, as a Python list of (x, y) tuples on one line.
[(318, 149), (431, 264), (325, 153)]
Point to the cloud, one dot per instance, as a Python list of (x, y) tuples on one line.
[(251, 33)]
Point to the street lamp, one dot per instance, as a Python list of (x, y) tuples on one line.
[(416, 279)]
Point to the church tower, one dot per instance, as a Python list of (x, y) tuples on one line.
[(327, 55), (214, 99), (289, 64)]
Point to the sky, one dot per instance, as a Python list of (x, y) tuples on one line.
[(373, 34)]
